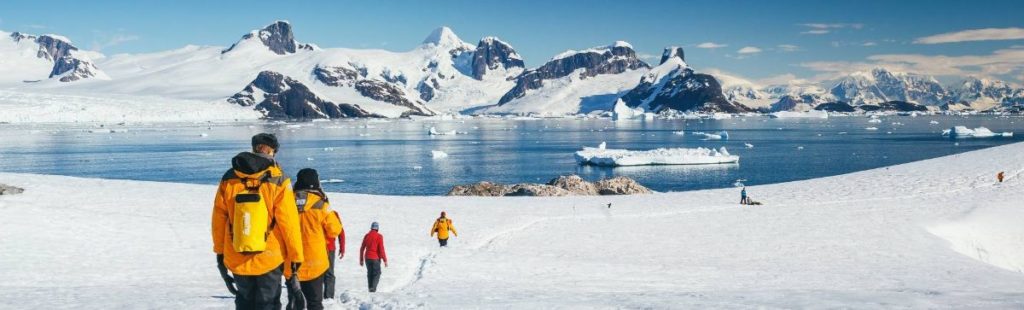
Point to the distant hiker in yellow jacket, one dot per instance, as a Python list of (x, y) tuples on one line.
[(317, 221), (441, 227), (256, 226)]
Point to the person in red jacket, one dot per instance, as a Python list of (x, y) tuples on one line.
[(372, 252), (329, 278)]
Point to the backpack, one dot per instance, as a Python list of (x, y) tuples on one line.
[(251, 223)]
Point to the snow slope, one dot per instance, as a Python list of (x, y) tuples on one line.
[(893, 237)]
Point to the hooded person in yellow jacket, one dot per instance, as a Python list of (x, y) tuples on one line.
[(256, 259), (317, 220), (441, 227)]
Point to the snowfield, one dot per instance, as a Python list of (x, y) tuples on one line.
[(938, 233)]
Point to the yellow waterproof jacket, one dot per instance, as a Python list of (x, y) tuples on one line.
[(284, 241), (317, 221), (441, 227)]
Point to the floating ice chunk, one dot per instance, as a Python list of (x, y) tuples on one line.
[(603, 145), (204, 135), (980, 132), (808, 114), (748, 145), (934, 122), (871, 128), (433, 132), (309, 159), (601, 156), (328, 149), (332, 181), (874, 121), (800, 147), (438, 154), (679, 132), (417, 167)]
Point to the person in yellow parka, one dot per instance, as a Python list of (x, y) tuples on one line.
[(441, 227), (317, 221), (256, 226)]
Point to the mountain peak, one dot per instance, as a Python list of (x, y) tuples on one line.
[(276, 36), (443, 36), (672, 52)]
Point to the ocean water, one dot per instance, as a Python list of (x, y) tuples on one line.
[(394, 157)]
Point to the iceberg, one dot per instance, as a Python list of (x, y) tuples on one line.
[(433, 132), (980, 132), (808, 114), (721, 135), (623, 112), (438, 154), (602, 156)]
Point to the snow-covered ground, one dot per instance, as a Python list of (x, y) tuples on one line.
[(938, 233), (44, 107)]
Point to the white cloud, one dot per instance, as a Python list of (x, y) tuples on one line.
[(711, 45), (749, 50), (987, 34), (1002, 62), (116, 39), (787, 48), (824, 28), (650, 58)]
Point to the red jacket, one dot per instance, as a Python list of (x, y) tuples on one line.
[(373, 247)]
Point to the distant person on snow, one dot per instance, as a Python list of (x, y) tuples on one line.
[(317, 220), (743, 196), (999, 176), (441, 227), (329, 278), (372, 253), (256, 226)]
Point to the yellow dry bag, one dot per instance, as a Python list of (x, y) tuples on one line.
[(250, 227)]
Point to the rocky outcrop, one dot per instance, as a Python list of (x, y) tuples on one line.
[(386, 90), (68, 64), (620, 186), (492, 54), (674, 86), (672, 52), (277, 37), (279, 96), (836, 107), (567, 185), (10, 190), (894, 106), (613, 59)]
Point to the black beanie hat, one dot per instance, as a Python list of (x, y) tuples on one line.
[(307, 179), (267, 139)]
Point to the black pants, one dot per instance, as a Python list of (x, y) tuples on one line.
[(329, 276), (313, 290), (443, 242), (259, 292), (372, 273)]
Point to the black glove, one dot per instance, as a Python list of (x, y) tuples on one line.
[(295, 298), (228, 280), (295, 268)]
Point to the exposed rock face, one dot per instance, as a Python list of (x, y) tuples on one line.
[(279, 96), (385, 91), (574, 184), (540, 190), (479, 189), (621, 186), (835, 107), (673, 85), (277, 37), (672, 52), (67, 65), (616, 58), (10, 190), (493, 54), (560, 186), (896, 106)]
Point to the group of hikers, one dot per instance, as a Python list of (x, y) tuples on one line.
[(266, 230)]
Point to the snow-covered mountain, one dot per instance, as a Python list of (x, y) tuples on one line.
[(881, 85), (673, 85), (574, 82), (983, 94), (31, 58)]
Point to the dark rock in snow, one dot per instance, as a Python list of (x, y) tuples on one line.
[(492, 54), (385, 91), (277, 37), (479, 189), (574, 184), (682, 91), (66, 65), (836, 107), (10, 190), (279, 96), (896, 106), (670, 52), (613, 59), (621, 186), (560, 186)]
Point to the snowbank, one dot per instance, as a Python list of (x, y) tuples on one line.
[(601, 156)]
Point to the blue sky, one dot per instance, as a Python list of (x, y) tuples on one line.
[(782, 40)]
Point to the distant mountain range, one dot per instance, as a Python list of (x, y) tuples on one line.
[(268, 70)]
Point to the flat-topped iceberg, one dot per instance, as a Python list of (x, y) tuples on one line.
[(980, 132), (808, 114), (601, 156)]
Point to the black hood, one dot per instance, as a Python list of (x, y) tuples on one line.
[(250, 163)]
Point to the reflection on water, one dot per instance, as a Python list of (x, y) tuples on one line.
[(394, 157)]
